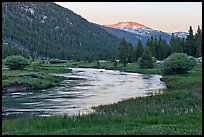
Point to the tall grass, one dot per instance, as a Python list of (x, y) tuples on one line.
[(178, 111)]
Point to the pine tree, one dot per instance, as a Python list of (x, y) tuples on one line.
[(155, 48), (150, 45), (183, 45), (129, 53), (198, 42), (190, 43), (122, 52), (175, 44), (138, 50), (165, 49), (178, 47), (146, 60), (172, 43), (159, 52)]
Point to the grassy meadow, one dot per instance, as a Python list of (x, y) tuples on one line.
[(178, 111), (42, 79)]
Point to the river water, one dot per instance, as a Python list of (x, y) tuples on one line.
[(83, 88)]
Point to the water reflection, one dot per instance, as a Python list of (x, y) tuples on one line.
[(83, 89)]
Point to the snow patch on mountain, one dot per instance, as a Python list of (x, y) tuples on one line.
[(28, 9), (44, 18), (56, 27), (137, 30), (67, 19), (31, 11), (181, 34)]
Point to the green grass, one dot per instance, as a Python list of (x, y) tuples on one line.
[(11, 77), (178, 111), (36, 83), (131, 67), (106, 124)]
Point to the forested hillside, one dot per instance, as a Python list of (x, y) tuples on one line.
[(49, 30), (9, 50)]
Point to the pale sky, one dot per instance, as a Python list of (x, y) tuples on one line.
[(164, 16)]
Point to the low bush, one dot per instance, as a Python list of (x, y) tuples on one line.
[(177, 63), (16, 62)]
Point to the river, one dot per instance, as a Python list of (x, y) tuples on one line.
[(83, 88)]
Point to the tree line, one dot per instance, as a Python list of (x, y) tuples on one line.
[(160, 49)]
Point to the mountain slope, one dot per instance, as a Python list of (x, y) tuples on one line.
[(49, 30), (181, 34), (133, 31), (130, 37)]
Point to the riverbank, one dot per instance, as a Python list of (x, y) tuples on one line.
[(32, 78), (177, 111), (131, 67), (15, 80)]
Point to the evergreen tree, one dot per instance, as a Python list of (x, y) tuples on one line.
[(165, 49), (159, 52), (175, 44), (178, 47), (146, 59), (190, 43), (148, 42), (130, 53), (138, 50), (150, 45), (155, 47), (10, 49), (172, 43), (122, 52), (183, 45), (198, 42)]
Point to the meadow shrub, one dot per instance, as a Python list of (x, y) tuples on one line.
[(178, 63), (16, 62)]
